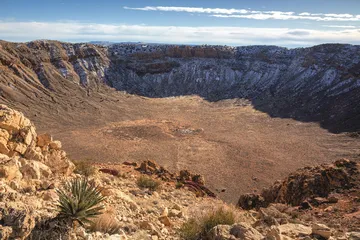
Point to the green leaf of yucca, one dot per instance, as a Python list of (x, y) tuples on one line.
[(79, 201)]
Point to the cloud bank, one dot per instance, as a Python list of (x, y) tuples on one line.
[(253, 14), (76, 32)]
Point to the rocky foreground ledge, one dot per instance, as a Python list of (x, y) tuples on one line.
[(314, 203)]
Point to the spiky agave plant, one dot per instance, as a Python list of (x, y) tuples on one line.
[(79, 201)]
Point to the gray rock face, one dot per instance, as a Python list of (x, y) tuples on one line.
[(318, 84), (321, 83)]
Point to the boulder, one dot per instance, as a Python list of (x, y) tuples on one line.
[(12, 120), (28, 135), (44, 140), (34, 154), (10, 169), (18, 147), (353, 235), (55, 145), (245, 231), (4, 138), (58, 162), (294, 230), (34, 170), (220, 232), (165, 220), (237, 231), (5, 232), (175, 213), (250, 201), (305, 183), (274, 234), (21, 221), (321, 230), (50, 195)]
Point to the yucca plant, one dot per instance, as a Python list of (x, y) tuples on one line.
[(79, 201)]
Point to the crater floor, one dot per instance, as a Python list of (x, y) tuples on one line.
[(234, 146)]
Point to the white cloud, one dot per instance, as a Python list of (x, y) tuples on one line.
[(252, 14), (282, 16), (192, 10), (340, 26), (72, 31)]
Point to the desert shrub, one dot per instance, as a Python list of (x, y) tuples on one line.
[(179, 185), (84, 167), (147, 182), (190, 230), (219, 217), (199, 228), (105, 223), (79, 201)]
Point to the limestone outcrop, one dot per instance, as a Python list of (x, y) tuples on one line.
[(28, 162), (24, 154), (306, 184)]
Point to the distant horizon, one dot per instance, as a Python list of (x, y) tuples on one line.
[(179, 44), (291, 24)]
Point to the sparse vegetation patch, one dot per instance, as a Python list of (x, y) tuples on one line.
[(79, 201), (199, 228), (147, 182)]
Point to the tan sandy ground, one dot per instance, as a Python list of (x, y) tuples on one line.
[(235, 147)]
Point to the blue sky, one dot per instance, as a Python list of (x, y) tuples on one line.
[(289, 23)]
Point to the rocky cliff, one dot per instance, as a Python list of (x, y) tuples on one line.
[(321, 83)]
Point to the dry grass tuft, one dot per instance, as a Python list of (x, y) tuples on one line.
[(84, 167), (198, 228), (147, 182)]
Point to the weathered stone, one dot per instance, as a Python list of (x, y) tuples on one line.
[(250, 201), (176, 207), (46, 184), (220, 232), (5, 232), (28, 135), (12, 120), (321, 230), (294, 230), (119, 236), (3, 147), (165, 220), (165, 212), (43, 140), (274, 234), (34, 154), (145, 225), (245, 231), (353, 235), (34, 170), (10, 169), (106, 191), (21, 221), (58, 162), (55, 145), (50, 195), (175, 213), (4, 138), (305, 183), (19, 147), (237, 231)]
